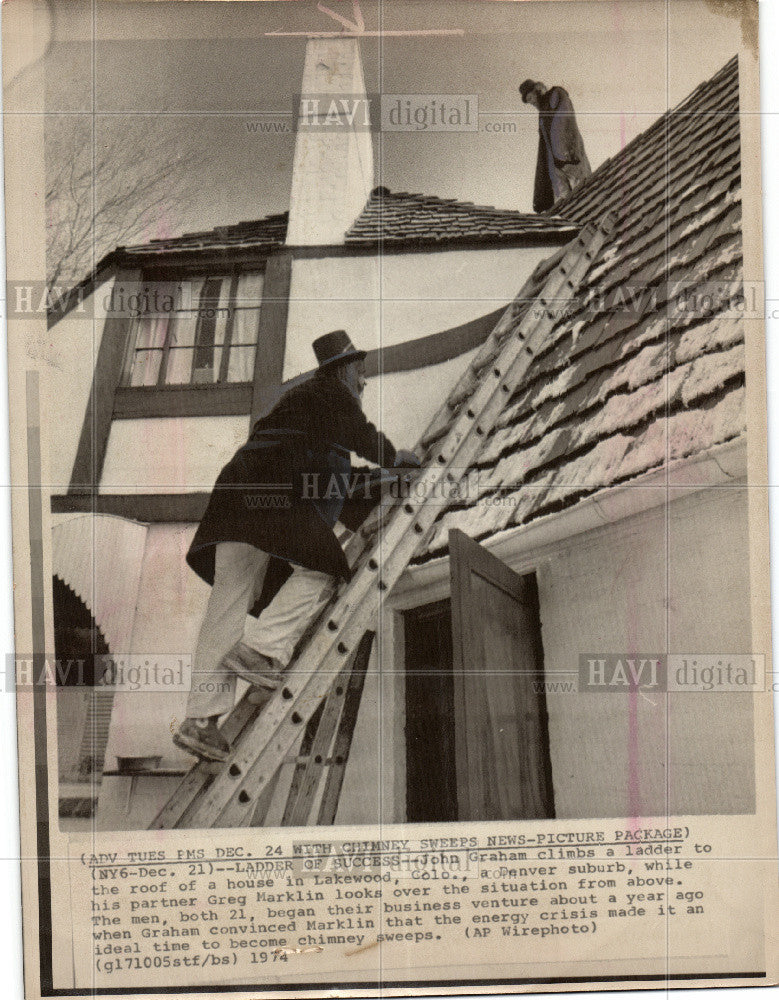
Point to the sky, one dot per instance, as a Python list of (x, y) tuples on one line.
[(199, 72)]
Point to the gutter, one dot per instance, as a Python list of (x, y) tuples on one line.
[(721, 466)]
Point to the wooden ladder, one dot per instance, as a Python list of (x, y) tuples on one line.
[(236, 793)]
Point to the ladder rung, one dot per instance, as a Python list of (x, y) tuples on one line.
[(308, 759)]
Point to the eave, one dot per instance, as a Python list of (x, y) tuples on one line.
[(520, 547)]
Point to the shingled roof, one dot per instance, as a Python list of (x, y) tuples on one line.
[(392, 218), (412, 222), (387, 218), (635, 374), (262, 236)]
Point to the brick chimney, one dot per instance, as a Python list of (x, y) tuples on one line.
[(332, 173)]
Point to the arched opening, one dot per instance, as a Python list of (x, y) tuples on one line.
[(83, 707), (77, 639)]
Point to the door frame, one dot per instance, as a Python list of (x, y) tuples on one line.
[(467, 558), (433, 583)]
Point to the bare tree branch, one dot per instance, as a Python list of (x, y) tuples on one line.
[(109, 187)]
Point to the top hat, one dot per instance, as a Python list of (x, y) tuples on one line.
[(526, 87), (334, 347)]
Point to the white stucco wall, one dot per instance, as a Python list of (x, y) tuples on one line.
[(170, 454), (397, 297), (170, 606), (636, 586), (183, 454), (402, 404)]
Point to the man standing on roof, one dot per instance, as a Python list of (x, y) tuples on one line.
[(266, 541), (562, 162)]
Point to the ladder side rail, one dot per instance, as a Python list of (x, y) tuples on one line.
[(302, 757), (343, 737), (300, 802), (202, 773)]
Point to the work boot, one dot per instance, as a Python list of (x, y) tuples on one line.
[(258, 670), (202, 738)]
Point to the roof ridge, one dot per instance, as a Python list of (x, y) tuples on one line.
[(379, 194)]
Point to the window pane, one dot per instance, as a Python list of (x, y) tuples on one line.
[(198, 332), (148, 332), (183, 322), (249, 293), (246, 326), (182, 328), (145, 368), (241, 367), (179, 368), (213, 310)]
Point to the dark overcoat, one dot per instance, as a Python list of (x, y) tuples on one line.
[(280, 491), (562, 161)]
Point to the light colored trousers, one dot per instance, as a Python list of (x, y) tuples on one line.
[(238, 576)]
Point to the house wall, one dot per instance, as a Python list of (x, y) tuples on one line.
[(170, 605), (402, 404), (170, 454), (648, 585), (171, 602), (672, 578), (190, 451), (393, 297)]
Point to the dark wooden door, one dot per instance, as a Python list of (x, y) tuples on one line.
[(501, 736)]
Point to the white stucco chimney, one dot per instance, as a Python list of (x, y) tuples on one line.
[(332, 173)]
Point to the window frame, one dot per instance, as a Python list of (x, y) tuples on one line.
[(231, 273)]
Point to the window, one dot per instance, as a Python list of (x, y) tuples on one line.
[(200, 331)]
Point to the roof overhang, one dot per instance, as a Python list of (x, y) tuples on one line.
[(521, 547)]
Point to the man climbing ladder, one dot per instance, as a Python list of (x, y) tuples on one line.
[(266, 540), (237, 794)]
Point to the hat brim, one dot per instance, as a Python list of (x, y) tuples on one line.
[(352, 355)]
